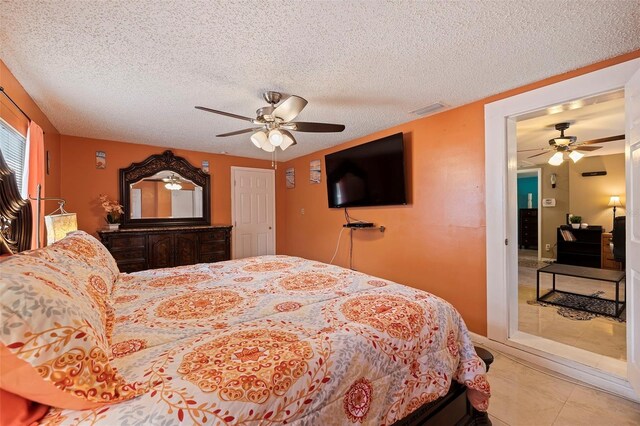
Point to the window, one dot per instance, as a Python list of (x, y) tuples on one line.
[(12, 145)]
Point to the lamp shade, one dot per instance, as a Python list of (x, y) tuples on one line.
[(614, 201), (258, 138), (575, 156), (556, 159), (267, 146), (173, 186), (288, 140), (276, 137), (59, 225)]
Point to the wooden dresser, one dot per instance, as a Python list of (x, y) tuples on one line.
[(137, 249), (528, 228), (608, 261)]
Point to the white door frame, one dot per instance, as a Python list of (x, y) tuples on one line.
[(538, 172), (233, 201), (501, 225)]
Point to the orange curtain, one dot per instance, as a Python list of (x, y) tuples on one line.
[(34, 174)]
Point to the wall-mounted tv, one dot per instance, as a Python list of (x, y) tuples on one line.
[(371, 174)]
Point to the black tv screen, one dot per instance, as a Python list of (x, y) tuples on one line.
[(371, 174)]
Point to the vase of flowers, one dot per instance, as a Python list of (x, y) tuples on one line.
[(113, 211)]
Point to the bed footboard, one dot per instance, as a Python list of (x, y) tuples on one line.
[(453, 408)]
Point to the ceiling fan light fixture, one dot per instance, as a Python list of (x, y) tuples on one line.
[(556, 159), (276, 137), (258, 138), (172, 186), (267, 146), (563, 141), (575, 156), (287, 140)]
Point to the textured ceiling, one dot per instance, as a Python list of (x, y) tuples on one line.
[(599, 120), (133, 71)]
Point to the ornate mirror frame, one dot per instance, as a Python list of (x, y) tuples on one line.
[(149, 167)]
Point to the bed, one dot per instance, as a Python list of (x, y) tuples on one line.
[(265, 340)]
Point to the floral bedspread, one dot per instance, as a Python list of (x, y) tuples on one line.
[(279, 340)]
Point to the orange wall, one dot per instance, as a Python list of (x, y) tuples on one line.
[(82, 182), (437, 242), (11, 115)]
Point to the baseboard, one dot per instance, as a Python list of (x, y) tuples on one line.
[(557, 365)]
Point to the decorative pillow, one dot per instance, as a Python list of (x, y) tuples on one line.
[(91, 253), (55, 315)]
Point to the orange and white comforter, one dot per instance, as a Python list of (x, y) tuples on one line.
[(280, 340)]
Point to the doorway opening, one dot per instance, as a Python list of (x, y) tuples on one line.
[(503, 331), (578, 180)]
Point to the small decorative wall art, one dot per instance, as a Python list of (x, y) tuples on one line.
[(205, 166), (315, 174), (101, 160), (291, 177)]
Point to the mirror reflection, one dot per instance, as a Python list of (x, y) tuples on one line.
[(165, 195)]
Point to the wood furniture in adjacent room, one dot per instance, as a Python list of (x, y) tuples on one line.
[(584, 251), (150, 248), (607, 259), (528, 228)]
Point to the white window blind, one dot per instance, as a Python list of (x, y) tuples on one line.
[(12, 145)]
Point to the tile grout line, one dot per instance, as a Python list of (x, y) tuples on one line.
[(559, 377), (506, 423), (575, 386)]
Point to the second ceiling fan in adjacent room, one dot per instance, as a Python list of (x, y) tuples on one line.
[(568, 146)]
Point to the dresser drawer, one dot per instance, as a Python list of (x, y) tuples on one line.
[(128, 266), (216, 235), (212, 246), (130, 253), (213, 257), (127, 242)]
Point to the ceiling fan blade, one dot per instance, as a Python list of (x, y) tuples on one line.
[(228, 114), (290, 108), (586, 148), (603, 140), (238, 132), (302, 126), (542, 153), (533, 149)]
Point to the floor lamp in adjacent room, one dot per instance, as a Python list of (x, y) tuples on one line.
[(614, 202)]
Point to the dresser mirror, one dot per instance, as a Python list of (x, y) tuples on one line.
[(164, 190)]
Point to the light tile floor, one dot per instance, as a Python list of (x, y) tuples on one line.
[(522, 395), (599, 335)]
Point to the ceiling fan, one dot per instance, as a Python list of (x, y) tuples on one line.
[(274, 123), (172, 182), (567, 145)]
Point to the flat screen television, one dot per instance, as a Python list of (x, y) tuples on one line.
[(371, 174)]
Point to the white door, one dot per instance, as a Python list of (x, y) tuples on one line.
[(181, 203), (197, 202), (632, 153), (136, 203), (253, 210)]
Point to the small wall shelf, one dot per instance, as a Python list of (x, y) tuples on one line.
[(380, 228)]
